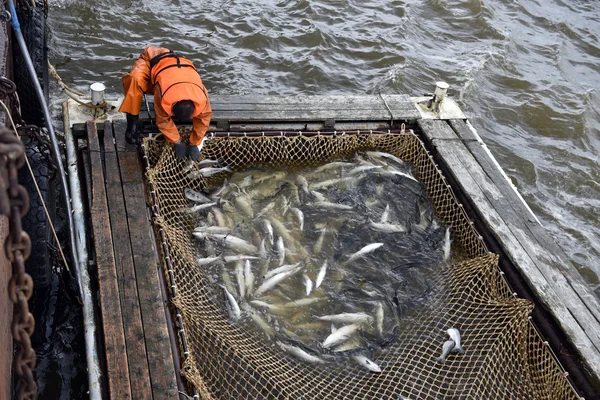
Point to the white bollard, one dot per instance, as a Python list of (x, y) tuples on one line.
[(441, 89), (97, 90)]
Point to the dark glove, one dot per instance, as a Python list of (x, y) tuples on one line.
[(193, 152), (132, 133), (179, 149)]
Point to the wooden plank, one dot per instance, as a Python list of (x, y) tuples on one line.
[(6, 313), (547, 284), (308, 115), (541, 245), (110, 305), (158, 347), (132, 319)]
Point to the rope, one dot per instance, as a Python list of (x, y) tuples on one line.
[(70, 92), (388, 108), (38, 191)]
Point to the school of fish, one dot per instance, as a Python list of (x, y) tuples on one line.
[(325, 261)]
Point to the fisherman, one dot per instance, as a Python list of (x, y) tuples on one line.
[(178, 92)]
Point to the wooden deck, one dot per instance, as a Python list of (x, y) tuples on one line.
[(138, 356), (137, 347)]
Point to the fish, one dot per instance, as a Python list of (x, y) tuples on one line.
[(332, 206), (239, 257), (234, 309), (446, 247), (331, 165), (262, 250), (259, 320), (379, 315), (228, 283), (299, 353), (212, 229), (283, 268), (308, 283), (302, 184), (207, 171), (195, 196), (319, 243), (340, 335), (318, 196), (303, 302), (363, 168), (446, 349), (217, 193), (207, 162), (249, 277), (364, 251), (206, 261), (200, 207), (349, 318), (381, 154), (274, 309), (218, 217), (352, 343), (385, 215), (299, 216), (387, 228), (397, 173), (280, 250), (242, 203), (362, 360), (268, 230), (235, 243), (241, 280), (454, 334), (321, 275), (274, 281)]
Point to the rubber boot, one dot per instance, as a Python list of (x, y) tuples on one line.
[(132, 133)]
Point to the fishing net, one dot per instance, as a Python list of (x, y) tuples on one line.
[(504, 356)]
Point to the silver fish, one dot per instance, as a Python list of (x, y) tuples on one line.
[(454, 334), (271, 307), (299, 353), (200, 207), (218, 217), (259, 320), (234, 242), (321, 275), (207, 163), (363, 168), (379, 318), (347, 318), (242, 202), (249, 278), (385, 215), (212, 229), (274, 281), (239, 257), (364, 251), (262, 250), (241, 280), (304, 302), (280, 250), (380, 154), (332, 206), (352, 343), (269, 230), (195, 196), (278, 270), (208, 171), (362, 360), (308, 283), (318, 196), (302, 184), (233, 307), (299, 216), (388, 172), (206, 261), (266, 209), (228, 283), (331, 165), (319, 243), (446, 349), (216, 194), (446, 248), (340, 335), (387, 228)]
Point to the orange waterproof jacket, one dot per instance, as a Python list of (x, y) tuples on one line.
[(172, 78)]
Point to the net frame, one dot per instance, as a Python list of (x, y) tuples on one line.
[(245, 369)]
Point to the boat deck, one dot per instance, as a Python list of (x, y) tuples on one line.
[(141, 357)]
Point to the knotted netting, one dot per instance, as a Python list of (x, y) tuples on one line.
[(505, 358)]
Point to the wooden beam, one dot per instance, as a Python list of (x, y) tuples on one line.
[(110, 305), (158, 346), (548, 283), (130, 303)]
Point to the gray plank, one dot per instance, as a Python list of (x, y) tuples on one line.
[(548, 284)]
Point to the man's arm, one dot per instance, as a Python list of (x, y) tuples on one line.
[(200, 124)]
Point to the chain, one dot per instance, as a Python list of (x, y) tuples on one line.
[(14, 203)]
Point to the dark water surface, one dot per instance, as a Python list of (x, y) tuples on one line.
[(525, 72)]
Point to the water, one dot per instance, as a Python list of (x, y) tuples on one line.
[(330, 215), (525, 72)]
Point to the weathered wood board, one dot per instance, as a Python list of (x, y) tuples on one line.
[(110, 304), (572, 304)]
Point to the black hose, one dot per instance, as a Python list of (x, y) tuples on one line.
[(54, 147)]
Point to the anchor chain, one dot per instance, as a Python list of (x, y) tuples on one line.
[(14, 203)]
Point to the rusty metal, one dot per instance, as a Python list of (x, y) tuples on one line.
[(14, 203)]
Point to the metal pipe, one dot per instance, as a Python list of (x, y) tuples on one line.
[(54, 147), (89, 321)]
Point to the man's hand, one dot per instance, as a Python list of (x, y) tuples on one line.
[(193, 152), (179, 149)]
